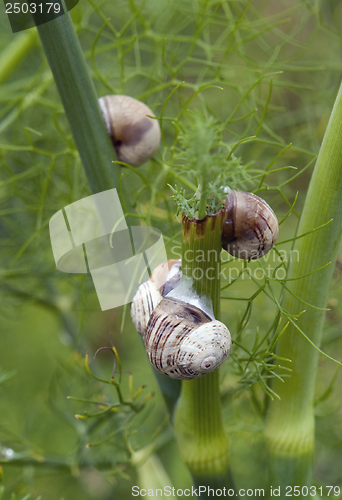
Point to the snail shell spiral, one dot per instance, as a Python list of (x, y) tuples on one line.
[(251, 227), (183, 342)]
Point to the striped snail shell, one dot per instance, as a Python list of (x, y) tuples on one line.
[(251, 227), (135, 136), (182, 340), (163, 279)]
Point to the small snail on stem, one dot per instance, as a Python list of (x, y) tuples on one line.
[(135, 136), (181, 337), (250, 228)]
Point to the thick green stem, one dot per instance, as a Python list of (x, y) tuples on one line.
[(198, 422), (77, 91), (290, 423)]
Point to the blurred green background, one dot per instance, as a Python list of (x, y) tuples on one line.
[(279, 66)]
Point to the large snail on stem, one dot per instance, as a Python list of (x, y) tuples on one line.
[(135, 136), (182, 338)]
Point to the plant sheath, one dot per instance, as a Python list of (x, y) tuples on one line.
[(290, 422)]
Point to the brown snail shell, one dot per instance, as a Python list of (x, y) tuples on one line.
[(144, 302), (184, 342), (135, 136), (251, 227), (163, 279)]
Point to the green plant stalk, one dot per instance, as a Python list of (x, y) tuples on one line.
[(197, 421), (78, 95), (290, 424), (77, 92)]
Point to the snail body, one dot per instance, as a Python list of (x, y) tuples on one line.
[(167, 275), (135, 136), (250, 228), (182, 340)]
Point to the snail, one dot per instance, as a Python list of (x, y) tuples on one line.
[(250, 228), (184, 342), (135, 136), (182, 339), (150, 293)]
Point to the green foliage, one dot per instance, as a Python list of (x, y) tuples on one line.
[(210, 164), (15, 497), (279, 81)]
